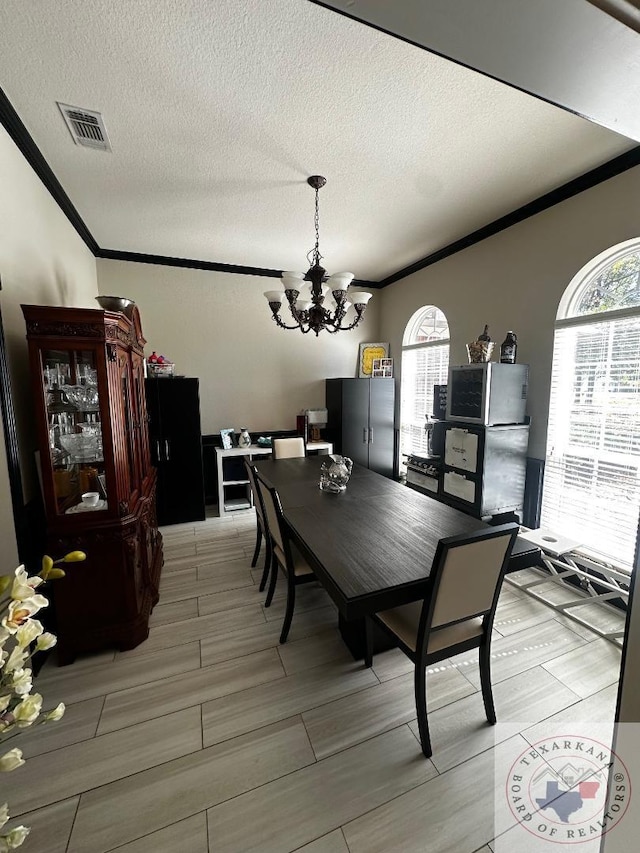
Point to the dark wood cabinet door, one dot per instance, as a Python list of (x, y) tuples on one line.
[(177, 448), (355, 420), (381, 432)]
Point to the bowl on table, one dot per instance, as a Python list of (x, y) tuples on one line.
[(81, 447), (116, 303)]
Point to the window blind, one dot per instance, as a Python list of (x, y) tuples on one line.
[(422, 368), (592, 474)]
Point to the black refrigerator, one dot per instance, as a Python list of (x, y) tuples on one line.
[(175, 441), (361, 421)]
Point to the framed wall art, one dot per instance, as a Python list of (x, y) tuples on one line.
[(367, 354), (227, 438), (382, 367)]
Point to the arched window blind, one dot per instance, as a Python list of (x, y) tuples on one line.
[(592, 472), (425, 363)]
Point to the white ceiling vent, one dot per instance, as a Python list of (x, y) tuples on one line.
[(86, 127)]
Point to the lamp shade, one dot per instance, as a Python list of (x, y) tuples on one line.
[(274, 295), (361, 297), (340, 280)]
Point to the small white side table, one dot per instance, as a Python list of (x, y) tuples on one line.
[(230, 504), (254, 451), (322, 448)]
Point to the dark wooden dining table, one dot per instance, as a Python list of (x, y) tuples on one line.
[(372, 545)]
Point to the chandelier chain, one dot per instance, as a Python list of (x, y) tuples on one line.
[(315, 252)]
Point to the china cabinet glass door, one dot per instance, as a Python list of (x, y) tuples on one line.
[(74, 419)]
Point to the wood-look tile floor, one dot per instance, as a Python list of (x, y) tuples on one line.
[(210, 736)]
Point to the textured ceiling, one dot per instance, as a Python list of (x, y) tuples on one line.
[(218, 111)]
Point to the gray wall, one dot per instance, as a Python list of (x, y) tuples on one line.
[(43, 261), (218, 327), (515, 280)]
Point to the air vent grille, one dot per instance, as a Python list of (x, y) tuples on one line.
[(86, 127)]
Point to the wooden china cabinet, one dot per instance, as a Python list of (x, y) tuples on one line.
[(87, 373)]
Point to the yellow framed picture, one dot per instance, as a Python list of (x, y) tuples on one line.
[(367, 354)]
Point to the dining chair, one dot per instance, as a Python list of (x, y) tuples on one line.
[(288, 448), (262, 529), (285, 555), (456, 615)]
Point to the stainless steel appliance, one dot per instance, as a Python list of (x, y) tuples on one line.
[(488, 393)]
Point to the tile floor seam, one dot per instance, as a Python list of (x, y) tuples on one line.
[(344, 838), (306, 731), (104, 702), (358, 743), (73, 823)]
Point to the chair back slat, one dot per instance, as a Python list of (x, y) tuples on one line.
[(288, 448), (271, 504), (257, 497), (466, 577)]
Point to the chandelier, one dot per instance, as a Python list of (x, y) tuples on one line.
[(308, 310)]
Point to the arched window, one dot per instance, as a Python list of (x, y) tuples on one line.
[(592, 473), (425, 363)]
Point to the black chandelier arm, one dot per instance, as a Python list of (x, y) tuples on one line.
[(282, 325), (337, 324)]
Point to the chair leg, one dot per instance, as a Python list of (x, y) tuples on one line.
[(485, 681), (258, 543), (288, 616), (274, 578), (420, 683), (267, 563), (368, 641)]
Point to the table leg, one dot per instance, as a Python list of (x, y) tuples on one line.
[(354, 637)]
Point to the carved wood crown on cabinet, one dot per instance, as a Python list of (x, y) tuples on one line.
[(104, 602)]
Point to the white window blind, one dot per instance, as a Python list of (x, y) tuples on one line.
[(592, 474), (422, 368)]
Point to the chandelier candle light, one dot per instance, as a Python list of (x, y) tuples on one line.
[(308, 310)]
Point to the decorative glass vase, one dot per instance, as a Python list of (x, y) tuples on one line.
[(334, 474)]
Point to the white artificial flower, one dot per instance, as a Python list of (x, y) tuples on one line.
[(56, 714), (10, 760), (28, 710), (4, 636), (4, 702), (24, 586), (28, 632), (46, 641), (4, 815), (21, 681), (17, 836), (20, 611), (15, 659)]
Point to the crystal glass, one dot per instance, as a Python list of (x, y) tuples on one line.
[(335, 473)]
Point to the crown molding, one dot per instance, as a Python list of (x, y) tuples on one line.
[(192, 263), (32, 154), (596, 176)]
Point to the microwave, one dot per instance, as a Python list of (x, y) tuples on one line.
[(488, 393)]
